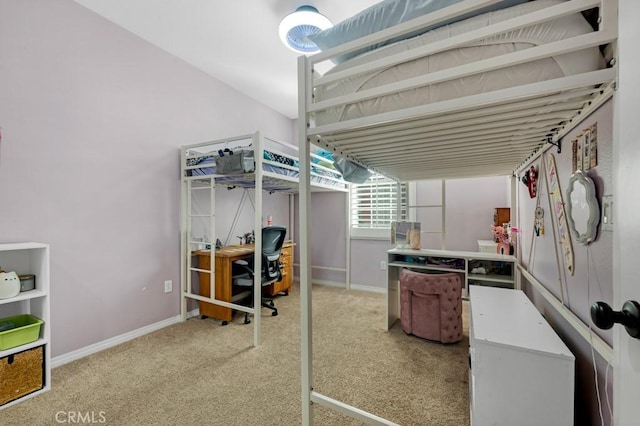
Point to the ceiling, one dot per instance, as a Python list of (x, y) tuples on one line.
[(235, 41)]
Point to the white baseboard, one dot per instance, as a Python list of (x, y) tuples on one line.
[(368, 288), (114, 341), (329, 283), (353, 286)]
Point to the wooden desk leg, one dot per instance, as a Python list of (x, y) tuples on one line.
[(223, 289)]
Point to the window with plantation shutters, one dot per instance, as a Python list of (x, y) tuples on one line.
[(374, 207)]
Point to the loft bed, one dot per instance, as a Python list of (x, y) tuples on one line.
[(247, 162), (474, 88), (234, 163)]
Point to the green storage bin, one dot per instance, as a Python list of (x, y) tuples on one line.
[(19, 330)]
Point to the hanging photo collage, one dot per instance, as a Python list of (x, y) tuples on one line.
[(584, 149)]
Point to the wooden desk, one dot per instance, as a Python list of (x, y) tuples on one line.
[(224, 259)]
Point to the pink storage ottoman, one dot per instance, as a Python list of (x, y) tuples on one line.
[(431, 305)]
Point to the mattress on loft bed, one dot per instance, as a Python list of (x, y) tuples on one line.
[(273, 164), (544, 69)]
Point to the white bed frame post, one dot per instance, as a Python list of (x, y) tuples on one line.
[(185, 285), (309, 396), (258, 146), (306, 340), (515, 221)]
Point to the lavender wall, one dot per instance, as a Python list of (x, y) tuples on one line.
[(328, 248), (593, 277), (470, 207), (92, 120)]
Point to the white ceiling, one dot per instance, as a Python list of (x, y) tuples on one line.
[(235, 41)]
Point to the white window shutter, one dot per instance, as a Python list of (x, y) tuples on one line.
[(373, 206)]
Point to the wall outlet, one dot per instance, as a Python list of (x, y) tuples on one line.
[(168, 286), (383, 265)]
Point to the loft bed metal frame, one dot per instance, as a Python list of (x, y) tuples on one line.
[(488, 134), (261, 180)]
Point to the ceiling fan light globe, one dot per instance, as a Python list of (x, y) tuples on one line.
[(295, 28)]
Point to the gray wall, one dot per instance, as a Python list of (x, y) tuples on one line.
[(92, 120), (593, 277)]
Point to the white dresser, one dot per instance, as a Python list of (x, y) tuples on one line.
[(521, 372)]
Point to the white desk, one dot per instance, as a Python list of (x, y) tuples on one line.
[(500, 271)]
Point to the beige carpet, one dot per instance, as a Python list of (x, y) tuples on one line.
[(202, 373)]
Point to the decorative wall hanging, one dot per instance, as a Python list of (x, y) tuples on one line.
[(538, 222), (584, 149), (530, 179), (561, 217), (583, 212)]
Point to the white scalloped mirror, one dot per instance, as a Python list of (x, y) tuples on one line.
[(583, 212)]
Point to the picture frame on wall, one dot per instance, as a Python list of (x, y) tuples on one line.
[(584, 149), (593, 155)]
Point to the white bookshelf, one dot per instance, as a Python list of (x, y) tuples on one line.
[(29, 258)]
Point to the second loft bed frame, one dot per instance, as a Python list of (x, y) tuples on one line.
[(275, 170), (486, 134)]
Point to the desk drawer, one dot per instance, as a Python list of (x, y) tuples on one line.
[(283, 286), (286, 260)]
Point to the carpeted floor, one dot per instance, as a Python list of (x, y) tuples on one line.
[(201, 373)]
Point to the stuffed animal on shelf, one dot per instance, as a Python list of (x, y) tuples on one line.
[(9, 285)]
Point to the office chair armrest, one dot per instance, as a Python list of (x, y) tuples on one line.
[(242, 267)]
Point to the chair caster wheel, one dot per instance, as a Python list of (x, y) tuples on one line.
[(247, 321), (271, 303), (274, 313), (224, 323), (203, 317)]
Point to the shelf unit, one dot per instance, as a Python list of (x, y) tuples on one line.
[(499, 271), (29, 258)]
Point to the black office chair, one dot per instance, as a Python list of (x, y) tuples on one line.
[(243, 270)]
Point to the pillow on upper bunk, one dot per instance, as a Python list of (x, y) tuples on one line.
[(351, 171), (387, 14)]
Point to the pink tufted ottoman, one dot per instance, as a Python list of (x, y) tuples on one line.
[(431, 305)]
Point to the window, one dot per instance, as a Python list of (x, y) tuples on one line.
[(374, 207)]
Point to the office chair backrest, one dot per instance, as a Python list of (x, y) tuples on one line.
[(272, 240)]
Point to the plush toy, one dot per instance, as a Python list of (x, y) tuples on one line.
[(9, 285)]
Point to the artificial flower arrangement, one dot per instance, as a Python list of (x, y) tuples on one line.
[(505, 235)]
